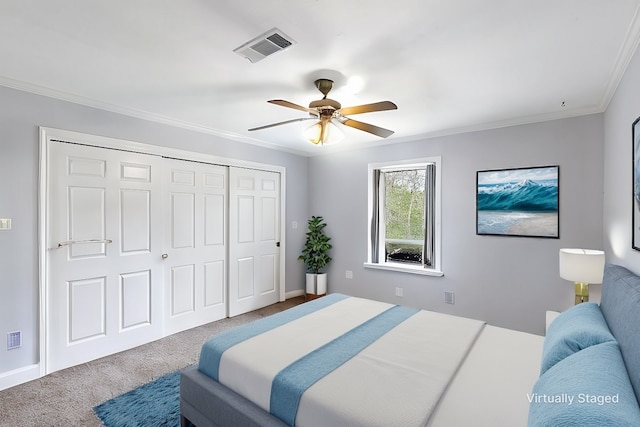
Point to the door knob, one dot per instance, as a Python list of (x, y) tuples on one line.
[(165, 256)]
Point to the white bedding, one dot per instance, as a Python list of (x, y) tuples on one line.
[(492, 385), (397, 380)]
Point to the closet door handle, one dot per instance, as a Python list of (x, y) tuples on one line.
[(165, 256), (78, 242)]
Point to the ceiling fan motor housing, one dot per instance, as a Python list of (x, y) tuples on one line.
[(325, 103), (324, 86)]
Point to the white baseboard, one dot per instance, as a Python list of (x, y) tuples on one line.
[(19, 376), (293, 294)]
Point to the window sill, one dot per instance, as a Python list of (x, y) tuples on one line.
[(404, 269)]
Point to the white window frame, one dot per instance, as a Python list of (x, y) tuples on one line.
[(433, 270)]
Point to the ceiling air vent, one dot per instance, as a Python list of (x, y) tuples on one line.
[(264, 45)]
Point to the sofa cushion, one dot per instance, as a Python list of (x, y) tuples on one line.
[(579, 327), (620, 305), (588, 388)]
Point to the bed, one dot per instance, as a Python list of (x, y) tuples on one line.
[(341, 360)]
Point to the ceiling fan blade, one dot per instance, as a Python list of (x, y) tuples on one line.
[(381, 132), (368, 108), (288, 104), (284, 123)]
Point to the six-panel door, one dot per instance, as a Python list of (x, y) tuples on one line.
[(194, 244), (103, 292)]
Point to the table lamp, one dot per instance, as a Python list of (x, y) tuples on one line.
[(582, 266)]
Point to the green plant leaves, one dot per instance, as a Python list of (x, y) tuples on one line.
[(314, 253)]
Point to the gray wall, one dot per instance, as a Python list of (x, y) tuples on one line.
[(507, 281), (623, 109), (20, 115)]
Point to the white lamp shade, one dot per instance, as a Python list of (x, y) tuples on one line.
[(582, 265)]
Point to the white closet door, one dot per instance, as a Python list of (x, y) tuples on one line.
[(195, 239), (254, 236), (104, 292)]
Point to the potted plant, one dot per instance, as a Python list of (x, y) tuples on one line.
[(315, 256)]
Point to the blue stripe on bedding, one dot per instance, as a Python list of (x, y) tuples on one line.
[(212, 350), (290, 383)]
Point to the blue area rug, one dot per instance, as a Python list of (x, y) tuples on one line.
[(156, 403)]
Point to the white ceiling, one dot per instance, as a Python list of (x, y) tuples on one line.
[(450, 66)]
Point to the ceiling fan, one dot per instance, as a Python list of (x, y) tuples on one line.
[(327, 110)]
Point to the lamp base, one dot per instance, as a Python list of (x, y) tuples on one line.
[(582, 292)]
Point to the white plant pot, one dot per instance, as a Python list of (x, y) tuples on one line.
[(311, 283), (316, 283), (321, 284)]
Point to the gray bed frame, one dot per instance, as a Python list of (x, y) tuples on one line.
[(203, 400)]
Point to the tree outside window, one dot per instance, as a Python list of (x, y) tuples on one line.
[(404, 215)]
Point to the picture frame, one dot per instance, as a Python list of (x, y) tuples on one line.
[(519, 202), (635, 217)]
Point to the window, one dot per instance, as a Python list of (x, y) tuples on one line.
[(404, 216)]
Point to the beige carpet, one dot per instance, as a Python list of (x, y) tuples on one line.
[(66, 398)]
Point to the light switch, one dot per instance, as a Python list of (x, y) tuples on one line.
[(5, 224)]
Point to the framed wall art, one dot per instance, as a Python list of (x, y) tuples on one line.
[(521, 202), (635, 218)]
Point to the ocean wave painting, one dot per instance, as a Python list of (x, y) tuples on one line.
[(518, 202)]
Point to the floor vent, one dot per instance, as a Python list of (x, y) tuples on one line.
[(14, 340), (264, 45)]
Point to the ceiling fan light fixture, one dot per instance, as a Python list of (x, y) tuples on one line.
[(323, 132)]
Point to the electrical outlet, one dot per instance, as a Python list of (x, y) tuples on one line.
[(399, 292), (5, 224), (348, 274)]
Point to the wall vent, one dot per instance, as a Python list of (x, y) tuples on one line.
[(14, 340), (264, 45)]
